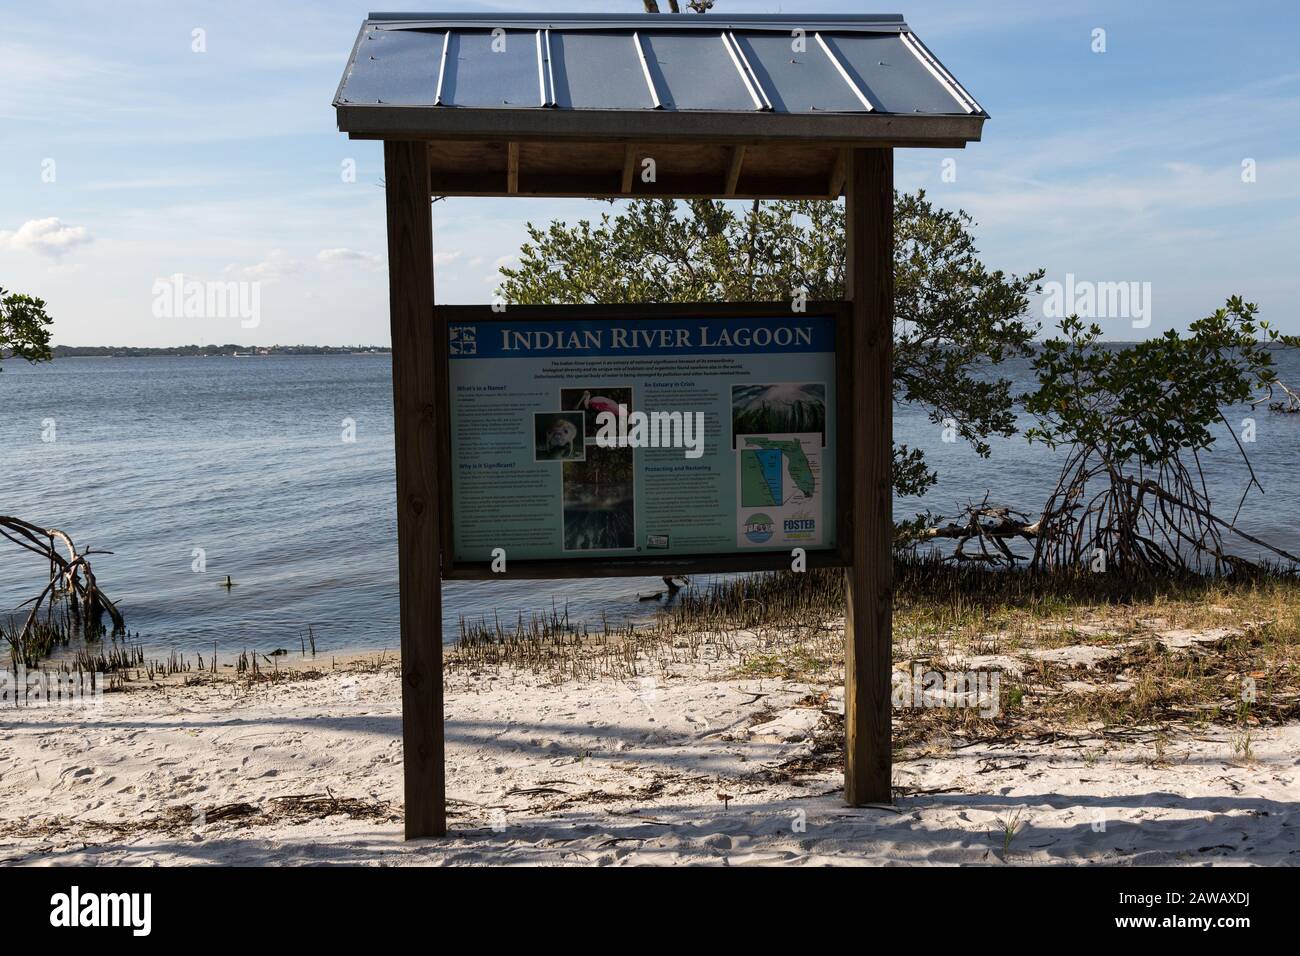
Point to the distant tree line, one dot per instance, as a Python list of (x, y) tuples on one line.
[(126, 351)]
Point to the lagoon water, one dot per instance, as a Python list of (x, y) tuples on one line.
[(243, 458)]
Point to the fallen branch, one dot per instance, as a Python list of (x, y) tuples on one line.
[(71, 578), (1291, 405), (989, 526)]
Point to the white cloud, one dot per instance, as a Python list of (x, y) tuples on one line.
[(349, 255), (275, 266), (50, 237)]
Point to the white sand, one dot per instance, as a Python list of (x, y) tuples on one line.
[(609, 772)]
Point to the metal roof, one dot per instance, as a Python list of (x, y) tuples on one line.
[(636, 77)]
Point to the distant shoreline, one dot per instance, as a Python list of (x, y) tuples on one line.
[(205, 351), (233, 350)]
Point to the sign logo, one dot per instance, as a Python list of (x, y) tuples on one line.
[(464, 340), (656, 541), (759, 528), (799, 527)]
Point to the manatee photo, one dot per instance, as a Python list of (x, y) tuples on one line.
[(558, 436), (779, 409)]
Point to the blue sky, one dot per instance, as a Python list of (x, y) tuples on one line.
[(1117, 166)]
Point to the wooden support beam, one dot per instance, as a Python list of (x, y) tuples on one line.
[(512, 168), (839, 172), (602, 184), (417, 388), (733, 169), (868, 632), (629, 167)]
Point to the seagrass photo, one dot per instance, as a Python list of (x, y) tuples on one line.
[(954, 520), (598, 503)]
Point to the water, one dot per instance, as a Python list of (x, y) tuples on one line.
[(243, 458)]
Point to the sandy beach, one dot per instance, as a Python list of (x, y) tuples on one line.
[(691, 763)]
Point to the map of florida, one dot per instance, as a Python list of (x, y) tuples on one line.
[(800, 470)]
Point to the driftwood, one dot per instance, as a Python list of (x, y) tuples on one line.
[(71, 578), (1290, 402), (990, 526)]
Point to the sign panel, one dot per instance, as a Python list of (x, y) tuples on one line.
[(577, 435)]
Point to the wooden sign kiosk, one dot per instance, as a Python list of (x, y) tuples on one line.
[(724, 107)]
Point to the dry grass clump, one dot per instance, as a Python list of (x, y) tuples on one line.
[(292, 809), (756, 615), (789, 627)]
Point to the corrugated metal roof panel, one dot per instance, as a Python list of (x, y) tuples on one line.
[(693, 71), (488, 71), (891, 75), (797, 82), (396, 67), (743, 68), (597, 71)]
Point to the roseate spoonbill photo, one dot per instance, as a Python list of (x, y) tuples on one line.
[(594, 399), (597, 403)]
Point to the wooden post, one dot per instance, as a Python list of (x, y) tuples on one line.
[(416, 392), (868, 632)]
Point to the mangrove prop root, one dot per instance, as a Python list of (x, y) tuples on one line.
[(70, 576)]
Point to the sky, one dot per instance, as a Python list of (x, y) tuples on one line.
[(1170, 159)]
